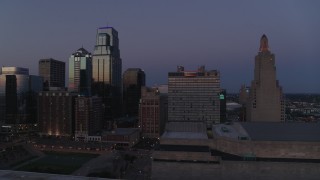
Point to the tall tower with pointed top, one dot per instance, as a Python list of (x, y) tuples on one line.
[(80, 72), (266, 101)]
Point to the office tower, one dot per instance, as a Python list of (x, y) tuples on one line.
[(18, 91), (106, 73), (223, 105), (56, 113), (153, 112), (53, 73), (266, 102), (80, 72), (133, 80), (88, 117), (193, 96)]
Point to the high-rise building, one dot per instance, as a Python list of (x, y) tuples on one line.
[(133, 80), (18, 92), (107, 72), (193, 96), (53, 73), (80, 72), (56, 113), (266, 101), (88, 116), (153, 112)]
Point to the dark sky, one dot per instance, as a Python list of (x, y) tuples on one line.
[(159, 35)]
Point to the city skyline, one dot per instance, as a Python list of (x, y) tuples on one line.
[(222, 36)]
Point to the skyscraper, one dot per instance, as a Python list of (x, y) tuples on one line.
[(18, 92), (133, 80), (193, 96), (53, 73), (106, 73), (266, 101), (80, 72)]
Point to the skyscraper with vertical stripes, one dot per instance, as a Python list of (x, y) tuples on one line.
[(107, 73)]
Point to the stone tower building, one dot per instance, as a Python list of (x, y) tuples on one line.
[(266, 101)]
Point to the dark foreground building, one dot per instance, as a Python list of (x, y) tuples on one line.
[(56, 113), (133, 80)]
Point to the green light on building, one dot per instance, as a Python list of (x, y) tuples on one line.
[(221, 96)]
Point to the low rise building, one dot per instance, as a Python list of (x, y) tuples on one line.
[(153, 112), (122, 137)]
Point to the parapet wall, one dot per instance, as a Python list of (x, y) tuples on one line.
[(229, 170)]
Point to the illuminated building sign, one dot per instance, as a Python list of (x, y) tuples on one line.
[(221, 96)]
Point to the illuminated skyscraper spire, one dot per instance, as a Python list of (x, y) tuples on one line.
[(264, 47)]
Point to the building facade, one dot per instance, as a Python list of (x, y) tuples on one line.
[(133, 80), (153, 112), (80, 72), (122, 137), (107, 73), (266, 101), (88, 118), (56, 113), (193, 96), (18, 93), (53, 73)]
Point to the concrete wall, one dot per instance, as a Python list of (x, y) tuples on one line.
[(230, 170), (232, 146), (187, 156), (278, 149), (266, 149)]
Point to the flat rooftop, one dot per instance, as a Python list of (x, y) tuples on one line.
[(270, 131), (273, 131), (234, 131)]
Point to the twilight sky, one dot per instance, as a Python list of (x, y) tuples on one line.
[(159, 35)]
